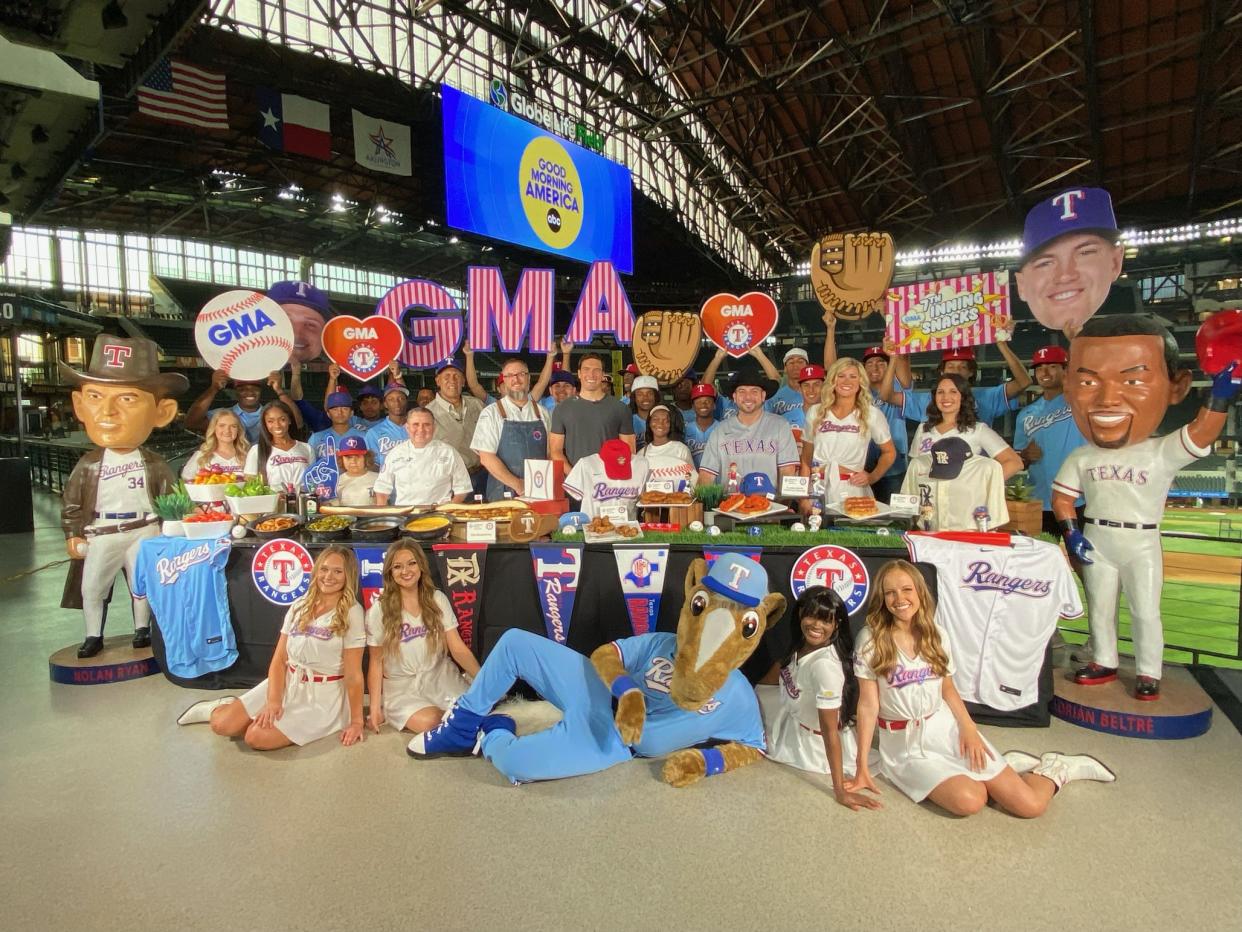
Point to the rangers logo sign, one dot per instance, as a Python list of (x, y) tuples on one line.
[(282, 570), (835, 567)]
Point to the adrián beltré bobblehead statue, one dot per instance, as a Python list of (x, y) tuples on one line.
[(1122, 377), (107, 508)]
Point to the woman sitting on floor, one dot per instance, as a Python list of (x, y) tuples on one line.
[(314, 682), (416, 655)]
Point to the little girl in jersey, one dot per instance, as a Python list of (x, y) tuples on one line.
[(929, 747), (314, 682), (416, 655), (808, 699), (356, 479)]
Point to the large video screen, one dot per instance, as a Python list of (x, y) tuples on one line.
[(510, 180)]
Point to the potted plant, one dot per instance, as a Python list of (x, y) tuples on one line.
[(1026, 513), (710, 496), (172, 508)]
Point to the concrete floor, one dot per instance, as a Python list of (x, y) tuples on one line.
[(113, 817)]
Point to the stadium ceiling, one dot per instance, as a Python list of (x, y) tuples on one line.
[(936, 121)]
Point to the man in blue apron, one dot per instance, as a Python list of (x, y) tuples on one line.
[(509, 432)]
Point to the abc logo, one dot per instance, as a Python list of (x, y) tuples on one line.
[(554, 220)]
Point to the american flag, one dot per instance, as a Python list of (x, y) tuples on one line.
[(179, 93), (429, 340), (603, 307), (530, 312)]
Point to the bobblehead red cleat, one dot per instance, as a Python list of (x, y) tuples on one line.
[(1095, 675), (1146, 689)]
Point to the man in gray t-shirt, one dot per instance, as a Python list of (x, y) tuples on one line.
[(581, 425), (754, 441)]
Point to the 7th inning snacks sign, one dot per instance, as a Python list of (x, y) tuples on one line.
[(937, 315)]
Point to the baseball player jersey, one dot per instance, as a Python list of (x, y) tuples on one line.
[(325, 443), (1129, 484), (982, 439), (696, 438), (1051, 425), (588, 482), (122, 487), (787, 403), (764, 447), (840, 441), (183, 581), (731, 715), (1000, 606), (911, 690), (954, 504), (284, 467), (991, 402), (249, 421), (383, 437)]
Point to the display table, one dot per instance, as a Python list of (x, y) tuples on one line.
[(509, 599)]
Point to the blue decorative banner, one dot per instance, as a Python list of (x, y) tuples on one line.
[(556, 578), (642, 580), (370, 573)]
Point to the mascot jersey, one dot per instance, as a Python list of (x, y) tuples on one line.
[(730, 715)]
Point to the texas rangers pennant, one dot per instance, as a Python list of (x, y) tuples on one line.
[(642, 578), (370, 573), (556, 578), (461, 578)]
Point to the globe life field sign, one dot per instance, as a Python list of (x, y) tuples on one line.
[(511, 180)]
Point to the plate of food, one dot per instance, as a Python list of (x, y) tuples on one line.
[(750, 507), (860, 508), (665, 499), (430, 526), (487, 511), (606, 531), (275, 525), (326, 528)]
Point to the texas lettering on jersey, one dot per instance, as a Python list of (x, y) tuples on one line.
[(742, 446), (1114, 472)]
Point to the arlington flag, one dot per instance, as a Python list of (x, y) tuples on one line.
[(382, 145)]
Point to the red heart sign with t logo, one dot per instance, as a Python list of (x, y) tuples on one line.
[(363, 348), (737, 324)]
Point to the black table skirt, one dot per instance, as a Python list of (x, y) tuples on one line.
[(509, 600)]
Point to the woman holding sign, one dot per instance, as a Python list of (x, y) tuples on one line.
[(951, 413), (838, 430)]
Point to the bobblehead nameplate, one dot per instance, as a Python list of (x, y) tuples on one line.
[(615, 513), (904, 504), (795, 486), (480, 532)]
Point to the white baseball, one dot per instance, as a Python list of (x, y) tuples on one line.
[(798, 527), (714, 531), (696, 526), (570, 529), (238, 532), (244, 333)]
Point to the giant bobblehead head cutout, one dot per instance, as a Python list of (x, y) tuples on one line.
[(1070, 258), (309, 311), (122, 396), (1123, 376)]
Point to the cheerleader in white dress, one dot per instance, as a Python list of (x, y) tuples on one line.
[(808, 699), (314, 683), (416, 655), (929, 747)]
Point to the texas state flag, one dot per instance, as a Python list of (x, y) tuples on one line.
[(294, 124)]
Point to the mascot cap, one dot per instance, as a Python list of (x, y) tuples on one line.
[(738, 578)]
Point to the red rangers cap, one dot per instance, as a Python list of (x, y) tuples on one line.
[(702, 391), (632, 368), (961, 353), (810, 373), (1048, 355), (874, 351)]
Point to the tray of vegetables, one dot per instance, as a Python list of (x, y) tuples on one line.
[(254, 497)]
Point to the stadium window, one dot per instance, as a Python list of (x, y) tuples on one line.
[(103, 262), (224, 265), (169, 261), (71, 273), (197, 261), (30, 259), (137, 264)]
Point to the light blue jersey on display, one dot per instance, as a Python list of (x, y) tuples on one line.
[(383, 437), (731, 715), (1051, 425), (183, 580)]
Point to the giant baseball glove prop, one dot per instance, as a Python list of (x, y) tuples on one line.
[(666, 342), (851, 272)]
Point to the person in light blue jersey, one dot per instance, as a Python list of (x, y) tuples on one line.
[(1046, 431), (326, 443), (700, 426), (991, 401), (787, 402), (391, 431)]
